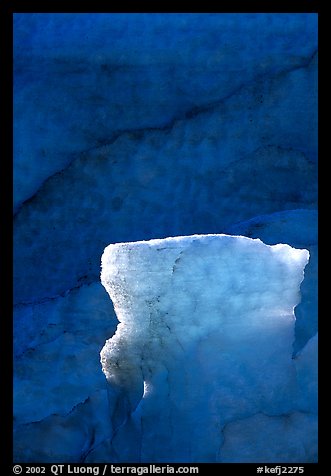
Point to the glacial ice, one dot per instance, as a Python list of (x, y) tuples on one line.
[(204, 343), (117, 140), (81, 79), (297, 228)]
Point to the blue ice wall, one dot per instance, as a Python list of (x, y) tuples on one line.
[(137, 126)]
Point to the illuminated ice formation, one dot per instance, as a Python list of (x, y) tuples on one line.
[(204, 343)]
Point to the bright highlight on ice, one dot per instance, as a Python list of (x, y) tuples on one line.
[(207, 321)]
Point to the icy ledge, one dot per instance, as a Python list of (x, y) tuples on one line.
[(204, 344)]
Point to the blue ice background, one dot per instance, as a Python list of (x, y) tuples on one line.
[(136, 126)]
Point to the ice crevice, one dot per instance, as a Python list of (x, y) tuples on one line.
[(57, 414), (62, 294), (188, 115), (207, 347), (202, 126)]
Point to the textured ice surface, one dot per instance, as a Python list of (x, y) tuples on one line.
[(56, 352), (298, 228), (239, 115), (205, 339), (135, 188), (82, 79), (67, 437), (306, 367), (272, 439), (207, 122)]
